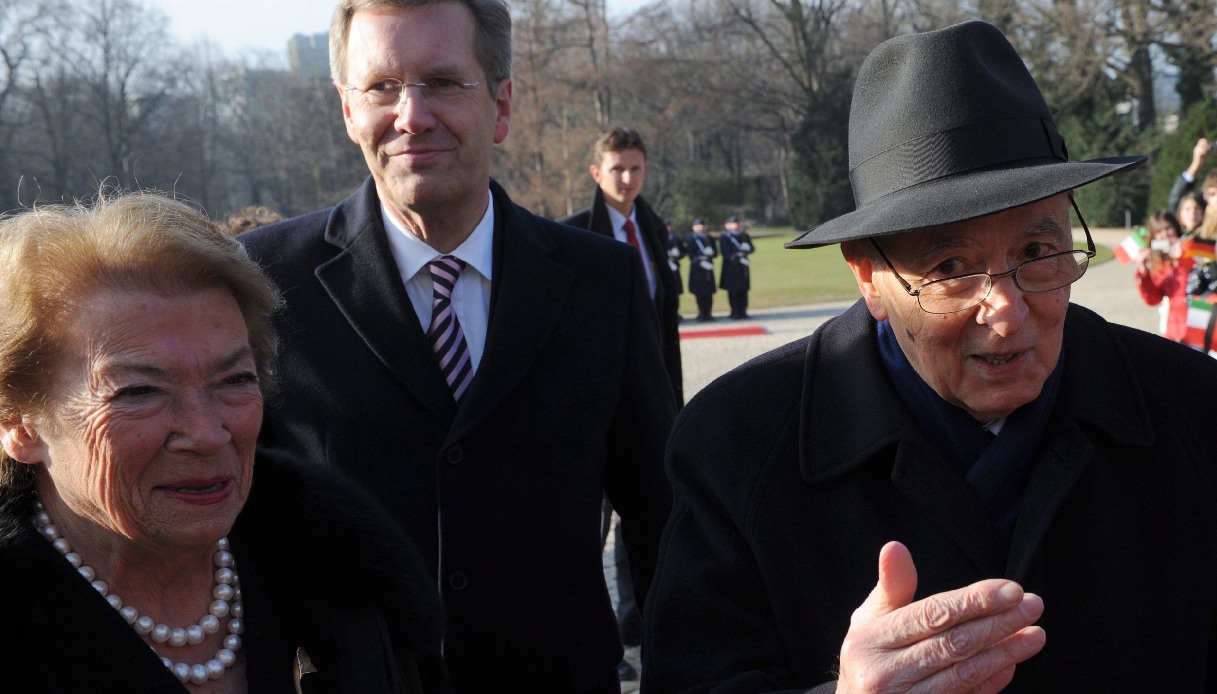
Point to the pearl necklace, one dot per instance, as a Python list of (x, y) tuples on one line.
[(227, 588)]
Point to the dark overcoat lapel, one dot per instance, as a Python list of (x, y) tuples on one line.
[(653, 233), (1121, 417), (841, 394), (528, 289), (366, 286)]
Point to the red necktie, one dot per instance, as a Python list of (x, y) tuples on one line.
[(630, 235)]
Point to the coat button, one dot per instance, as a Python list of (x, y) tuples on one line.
[(457, 580), (455, 454)]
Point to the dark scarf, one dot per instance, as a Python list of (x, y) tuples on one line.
[(994, 467)]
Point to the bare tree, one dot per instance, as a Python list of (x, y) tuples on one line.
[(117, 50), (737, 97), (23, 26)]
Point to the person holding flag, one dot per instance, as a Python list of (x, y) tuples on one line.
[(1161, 273), (1130, 248), (1201, 286)]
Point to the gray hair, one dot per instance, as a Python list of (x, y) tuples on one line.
[(491, 42)]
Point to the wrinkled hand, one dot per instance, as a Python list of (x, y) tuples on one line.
[(965, 640)]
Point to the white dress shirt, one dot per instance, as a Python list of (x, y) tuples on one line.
[(618, 221), (470, 296)]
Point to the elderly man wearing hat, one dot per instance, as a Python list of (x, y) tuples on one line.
[(1034, 484)]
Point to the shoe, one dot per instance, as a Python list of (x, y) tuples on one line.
[(626, 672)]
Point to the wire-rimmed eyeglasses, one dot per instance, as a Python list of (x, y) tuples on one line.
[(435, 90), (960, 293)]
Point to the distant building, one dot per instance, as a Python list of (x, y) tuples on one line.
[(309, 56)]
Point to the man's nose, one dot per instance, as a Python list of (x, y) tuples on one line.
[(413, 112), (1005, 308)]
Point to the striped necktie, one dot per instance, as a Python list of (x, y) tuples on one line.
[(445, 334)]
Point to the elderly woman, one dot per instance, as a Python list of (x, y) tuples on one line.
[(141, 549)]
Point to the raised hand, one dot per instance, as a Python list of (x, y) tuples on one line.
[(965, 640)]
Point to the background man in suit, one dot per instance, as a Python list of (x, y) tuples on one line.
[(702, 251), (619, 168), (618, 211), (1056, 497), (489, 374), (736, 278)]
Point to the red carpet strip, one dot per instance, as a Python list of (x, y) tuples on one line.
[(724, 332)]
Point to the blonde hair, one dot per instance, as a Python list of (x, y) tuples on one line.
[(1208, 228), (56, 258), (491, 40)]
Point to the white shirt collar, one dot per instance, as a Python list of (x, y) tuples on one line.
[(618, 220), (412, 253)]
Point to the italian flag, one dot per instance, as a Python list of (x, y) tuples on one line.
[(1198, 312), (1128, 249)]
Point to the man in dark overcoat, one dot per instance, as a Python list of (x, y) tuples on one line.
[(488, 374), (701, 251), (1036, 484), (735, 245), (618, 210)]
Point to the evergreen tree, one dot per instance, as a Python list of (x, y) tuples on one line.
[(1104, 132), (819, 166), (1176, 150)]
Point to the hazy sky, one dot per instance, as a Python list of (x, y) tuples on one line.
[(264, 25)]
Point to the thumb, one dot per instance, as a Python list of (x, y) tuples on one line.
[(897, 582)]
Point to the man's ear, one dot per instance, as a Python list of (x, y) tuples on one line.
[(21, 441), (862, 262)]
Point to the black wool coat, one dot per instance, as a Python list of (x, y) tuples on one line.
[(792, 471), (735, 276), (502, 493), (667, 284), (701, 280), (322, 567)]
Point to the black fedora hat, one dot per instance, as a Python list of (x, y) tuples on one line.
[(946, 126)]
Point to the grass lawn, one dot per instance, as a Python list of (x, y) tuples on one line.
[(782, 277)]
